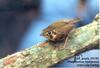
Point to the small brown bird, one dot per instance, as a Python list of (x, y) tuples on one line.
[(59, 30)]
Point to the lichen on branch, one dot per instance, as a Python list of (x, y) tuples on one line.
[(45, 54)]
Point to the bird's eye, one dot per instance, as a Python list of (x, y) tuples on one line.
[(49, 32)]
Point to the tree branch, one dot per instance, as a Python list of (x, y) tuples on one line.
[(45, 54)]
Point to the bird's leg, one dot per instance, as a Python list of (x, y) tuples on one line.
[(65, 43), (66, 40)]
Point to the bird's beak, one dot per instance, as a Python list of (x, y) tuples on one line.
[(41, 34)]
